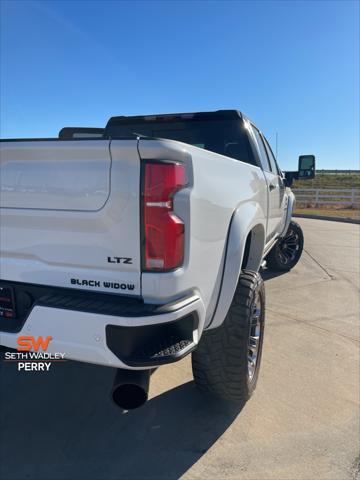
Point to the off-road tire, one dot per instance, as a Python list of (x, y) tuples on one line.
[(220, 363), (278, 259)]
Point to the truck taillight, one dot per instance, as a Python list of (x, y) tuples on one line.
[(163, 230)]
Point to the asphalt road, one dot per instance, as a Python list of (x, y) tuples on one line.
[(301, 423)]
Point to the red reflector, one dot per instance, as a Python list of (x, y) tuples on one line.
[(164, 231)]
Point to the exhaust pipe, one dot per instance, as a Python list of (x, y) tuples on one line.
[(131, 388)]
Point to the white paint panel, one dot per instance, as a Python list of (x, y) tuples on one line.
[(51, 247), (55, 175)]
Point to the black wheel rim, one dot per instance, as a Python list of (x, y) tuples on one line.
[(254, 341), (288, 247)]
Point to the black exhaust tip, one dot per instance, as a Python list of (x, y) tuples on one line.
[(131, 388)]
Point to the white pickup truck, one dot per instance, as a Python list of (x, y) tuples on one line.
[(134, 245)]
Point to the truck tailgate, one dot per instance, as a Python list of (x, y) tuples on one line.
[(69, 214), (56, 175)]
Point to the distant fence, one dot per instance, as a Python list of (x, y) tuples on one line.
[(328, 196), (334, 172)]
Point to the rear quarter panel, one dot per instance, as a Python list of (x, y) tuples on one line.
[(218, 186)]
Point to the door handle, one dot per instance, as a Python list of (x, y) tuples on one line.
[(272, 187)]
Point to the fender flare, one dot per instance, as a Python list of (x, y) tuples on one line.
[(239, 230), (289, 211)]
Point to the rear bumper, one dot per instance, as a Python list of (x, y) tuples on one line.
[(105, 329)]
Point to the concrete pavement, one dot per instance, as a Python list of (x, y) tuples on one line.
[(301, 423)]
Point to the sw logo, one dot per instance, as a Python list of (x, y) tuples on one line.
[(27, 342)]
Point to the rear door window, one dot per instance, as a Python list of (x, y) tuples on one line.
[(271, 156), (261, 148)]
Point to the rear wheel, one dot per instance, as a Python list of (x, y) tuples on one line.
[(227, 360), (287, 251)]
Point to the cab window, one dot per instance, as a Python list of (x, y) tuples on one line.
[(274, 166)]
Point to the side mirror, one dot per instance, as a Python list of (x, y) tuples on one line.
[(306, 169)]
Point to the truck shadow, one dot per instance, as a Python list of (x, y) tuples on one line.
[(62, 425)]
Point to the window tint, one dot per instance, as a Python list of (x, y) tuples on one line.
[(274, 166), (226, 137), (261, 147)]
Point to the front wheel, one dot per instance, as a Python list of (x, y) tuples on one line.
[(227, 360), (287, 251)]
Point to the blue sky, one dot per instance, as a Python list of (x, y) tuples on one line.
[(292, 67)]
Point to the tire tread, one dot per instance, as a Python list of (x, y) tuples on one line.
[(220, 361)]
